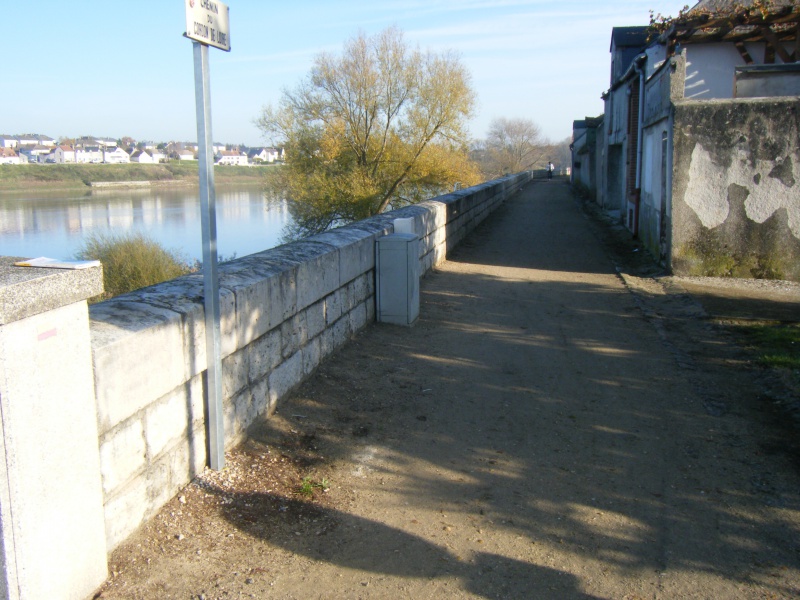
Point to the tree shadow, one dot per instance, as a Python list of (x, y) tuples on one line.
[(352, 542)]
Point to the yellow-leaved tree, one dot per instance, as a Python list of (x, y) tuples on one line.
[(378, 127)]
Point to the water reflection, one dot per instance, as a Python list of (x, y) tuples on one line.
[(55, 225)]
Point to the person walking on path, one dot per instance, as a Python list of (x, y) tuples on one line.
[(550, 169)]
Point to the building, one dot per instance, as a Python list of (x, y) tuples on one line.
[(115, 155), (232, 157), (264, 155), (186, 155), (61, 155), (89, 154), (699, 148), (9, 156)]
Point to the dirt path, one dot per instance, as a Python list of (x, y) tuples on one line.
[(542, 432)]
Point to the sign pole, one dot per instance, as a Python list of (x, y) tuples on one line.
[(208, 220)]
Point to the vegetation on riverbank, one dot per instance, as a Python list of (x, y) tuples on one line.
[(79, 176), (132, 261)]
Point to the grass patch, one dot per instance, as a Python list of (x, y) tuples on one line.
[(131, 261), (22, 177), (775, 345)]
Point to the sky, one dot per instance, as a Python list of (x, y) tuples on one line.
[(112, 69)]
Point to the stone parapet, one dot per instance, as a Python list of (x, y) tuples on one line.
[(51, 499)]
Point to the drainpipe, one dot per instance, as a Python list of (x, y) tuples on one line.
[(639, 151), (668, 191)]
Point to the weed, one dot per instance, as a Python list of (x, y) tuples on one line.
[(307, 487)]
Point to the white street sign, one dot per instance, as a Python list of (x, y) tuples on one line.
[(207, 23)]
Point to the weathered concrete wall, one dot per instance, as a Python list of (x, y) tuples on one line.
[(736, 194), (282, 312)]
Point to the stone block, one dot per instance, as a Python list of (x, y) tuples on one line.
[(264, 354), (317, 273), (260, 397), (265, 288), (284, 378), (335, 305), (125, 511), (315, 319), (355, 247), (341, 332), (235, 373), (159, 488), (185, 296), (122, 454), (358, 318), (293, 335), (138, 356), (171, 417), (312, 356), (28, 291)]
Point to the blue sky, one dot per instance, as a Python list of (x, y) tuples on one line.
[(111, 68)]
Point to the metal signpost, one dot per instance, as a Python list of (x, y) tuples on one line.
[(207, 25)]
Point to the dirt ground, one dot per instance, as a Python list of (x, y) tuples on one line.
[(562, 422)]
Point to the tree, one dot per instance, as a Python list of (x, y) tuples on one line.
[(379, 127), (511, 146)]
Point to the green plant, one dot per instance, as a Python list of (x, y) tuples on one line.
[(775, 345), (307, 487), (131, 261)]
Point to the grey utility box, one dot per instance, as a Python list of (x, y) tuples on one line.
[(397, 278)]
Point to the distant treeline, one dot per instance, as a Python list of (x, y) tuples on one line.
[(77, 176)]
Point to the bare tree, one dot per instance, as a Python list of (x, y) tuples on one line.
[(513, 145)]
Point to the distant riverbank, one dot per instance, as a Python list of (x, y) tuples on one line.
[(15, 178)]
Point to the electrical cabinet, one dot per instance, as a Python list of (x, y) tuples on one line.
[(397, 278)]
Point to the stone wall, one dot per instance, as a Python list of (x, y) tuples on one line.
[(282, 312), (736, 194)]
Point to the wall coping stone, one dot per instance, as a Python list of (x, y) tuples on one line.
[(29, 291)]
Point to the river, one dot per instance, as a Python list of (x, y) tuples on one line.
[(56, 224)]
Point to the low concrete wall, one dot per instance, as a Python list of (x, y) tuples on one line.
[(282, 312), (736, 194)]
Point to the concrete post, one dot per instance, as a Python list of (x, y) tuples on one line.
[(52, 534)]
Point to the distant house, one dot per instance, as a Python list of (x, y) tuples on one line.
[(61, 155), (232, 157), (89, 154), (38, 153), (115, 156), (28, 140), (142, 157), (264, 155), (9, 156), (186, 155)]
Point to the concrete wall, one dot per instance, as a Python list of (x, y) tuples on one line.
[(282, 312), (736, 194), (52, 530), (710, 68)]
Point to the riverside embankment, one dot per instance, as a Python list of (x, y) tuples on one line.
[(19, 178)]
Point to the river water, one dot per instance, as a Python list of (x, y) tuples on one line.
[(55, 224)]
